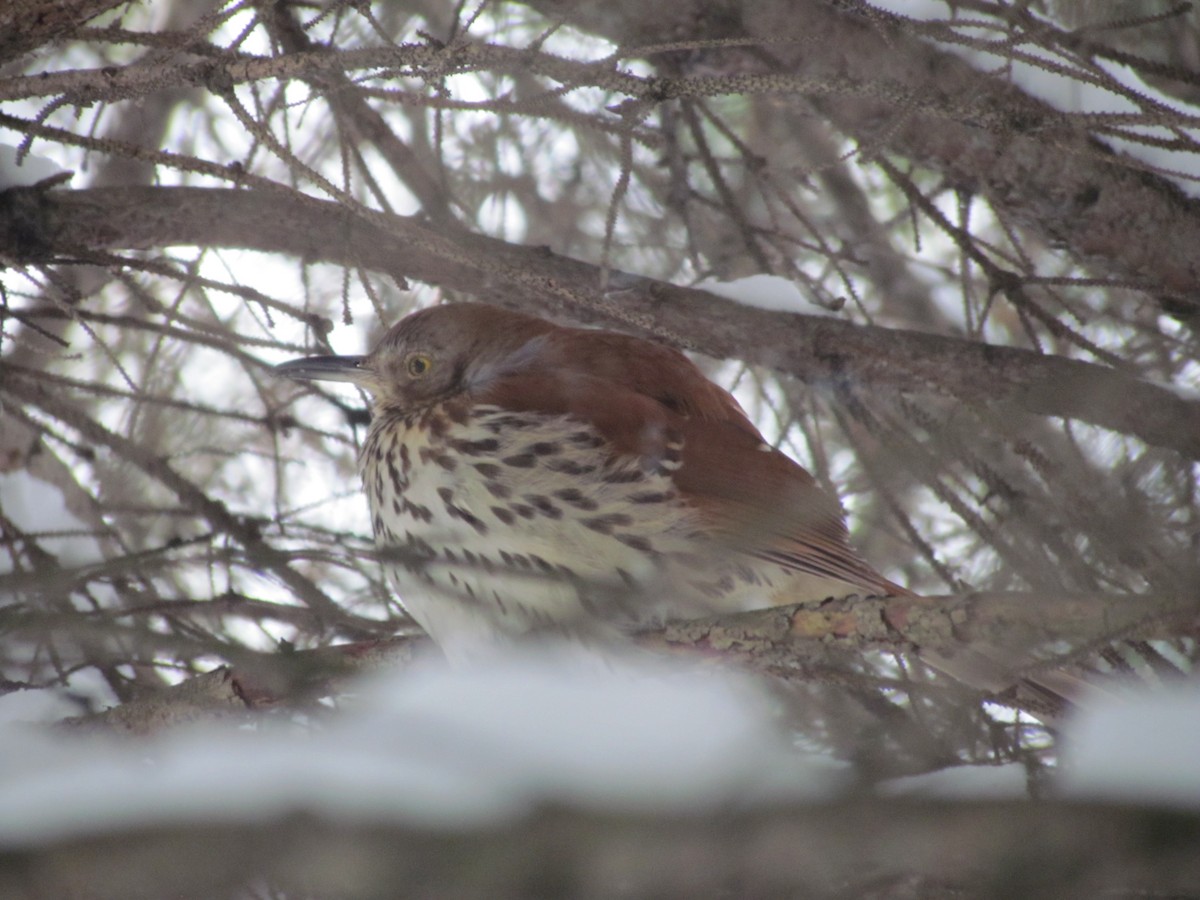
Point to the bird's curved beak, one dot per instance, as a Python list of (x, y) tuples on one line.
[(325, 368)]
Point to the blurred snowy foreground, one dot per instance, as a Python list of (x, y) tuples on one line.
[(548, 762), (430, 746)]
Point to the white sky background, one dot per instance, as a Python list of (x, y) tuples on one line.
[(496, 742)]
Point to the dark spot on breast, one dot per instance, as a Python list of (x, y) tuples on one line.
[(394, 474), (606, 523), (436, 422), (544, 506), (575, 497), (455, 511), (419, 549), (488, 470), (418, 511), (542, 564), (459, 513), (568, 466), (475, 448), (651, 497), (524, 511), (504, 515), (586, 439), (622, 476), (637, 542), (520, 461), (544, 448), (498, 490), (509, 420), (457, 412)]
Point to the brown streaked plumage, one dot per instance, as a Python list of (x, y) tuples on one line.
[(528, 475)]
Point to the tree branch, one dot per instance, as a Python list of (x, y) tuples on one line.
[(791, 642), (289, 678), (28, 24), (38, 226)]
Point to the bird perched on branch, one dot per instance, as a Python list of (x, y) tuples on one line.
[(525, 476)]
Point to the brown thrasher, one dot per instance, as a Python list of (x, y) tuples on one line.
[(524, 475)]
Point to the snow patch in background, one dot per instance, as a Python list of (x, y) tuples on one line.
[(1006, 782), (36, 507), (25, 708), (1137, 749), (1072, 95), (31, 169), (468, 748), (436, 747), (764, 292)]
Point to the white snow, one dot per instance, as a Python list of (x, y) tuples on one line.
[(28, 172), (432, 746), (1074, 95), (1137, 749), (982, 782), (769, 292), (474, 747), (22, 708), (36, 506)]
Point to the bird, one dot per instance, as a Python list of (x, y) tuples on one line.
[(525, 477)]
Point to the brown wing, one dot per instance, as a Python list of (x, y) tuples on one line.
[(771, 507), (650, 401), (653, 371)]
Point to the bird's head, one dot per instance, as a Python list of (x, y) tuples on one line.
[(432, 355)]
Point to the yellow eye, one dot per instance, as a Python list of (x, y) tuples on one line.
[(418, 364)]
